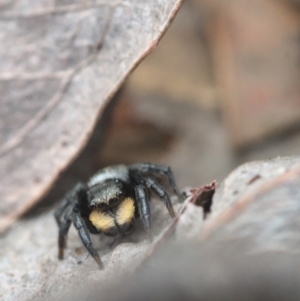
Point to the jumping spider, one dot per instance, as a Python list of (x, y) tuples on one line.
[(110, 201)]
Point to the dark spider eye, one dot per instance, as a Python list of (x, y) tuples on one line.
[(102, 206), (120, 193), (113, 201)]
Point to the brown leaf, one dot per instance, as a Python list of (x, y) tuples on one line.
[(59, 67), (30, 267), (265, 213)]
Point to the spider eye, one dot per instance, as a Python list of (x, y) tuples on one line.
[(120, 193), (102, 206), (113, 201)]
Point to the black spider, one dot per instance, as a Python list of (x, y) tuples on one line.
[(110, 202)]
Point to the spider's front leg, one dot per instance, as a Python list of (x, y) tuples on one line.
[(142, 196), (69, 200), (64, 215), (84, 234), (161, 193), (72, 215), (64, 227), (160, 169)]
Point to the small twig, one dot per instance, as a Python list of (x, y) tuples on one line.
[(196, 195)]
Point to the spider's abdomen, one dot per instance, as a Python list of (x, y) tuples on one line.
[(114, 222), (119, 172)]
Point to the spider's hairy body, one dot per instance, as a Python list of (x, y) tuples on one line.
[(110, 202), (119, 172)]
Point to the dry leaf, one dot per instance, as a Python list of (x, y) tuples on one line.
[(30, 269), (247, 217), (265, 213), (60, 64)]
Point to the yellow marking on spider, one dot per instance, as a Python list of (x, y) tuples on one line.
[(125, 212), (101, 220)]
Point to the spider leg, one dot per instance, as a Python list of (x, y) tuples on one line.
[(66, 209), (84, 234), (64, 227), (160, 191), (68, 199), (142, 196), (155, 168)]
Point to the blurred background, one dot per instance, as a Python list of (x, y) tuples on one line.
[(221, 88)]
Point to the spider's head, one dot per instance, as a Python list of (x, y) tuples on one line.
[(106, 195), (111, 203)]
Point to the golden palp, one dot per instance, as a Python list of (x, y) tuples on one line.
[(101, 221), (125, 211)]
